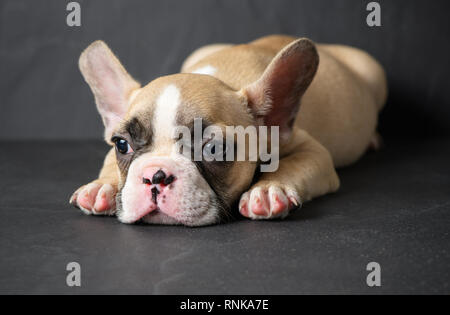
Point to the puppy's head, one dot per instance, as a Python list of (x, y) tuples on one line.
[(158, 182)]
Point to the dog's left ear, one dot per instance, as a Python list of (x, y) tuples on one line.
[(274, 99), (110, 83)]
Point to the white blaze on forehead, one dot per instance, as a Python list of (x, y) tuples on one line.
[(164, 118), (209, 70)]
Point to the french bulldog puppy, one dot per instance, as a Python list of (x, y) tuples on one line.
[(326, 112)]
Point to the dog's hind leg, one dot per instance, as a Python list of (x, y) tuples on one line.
[(365, 67)]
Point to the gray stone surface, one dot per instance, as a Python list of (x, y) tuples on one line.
[(393, 208)]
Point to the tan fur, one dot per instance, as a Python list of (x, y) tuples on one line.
[(339, 109), (109, 174), (334, 127), (338, 112), (201, 53)]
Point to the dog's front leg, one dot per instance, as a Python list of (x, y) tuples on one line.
[(305, 171), (99, 196)]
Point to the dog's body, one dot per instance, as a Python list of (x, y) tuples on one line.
[(260, 83), (340, 107)]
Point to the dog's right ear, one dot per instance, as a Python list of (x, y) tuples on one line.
[(110, 83), (274, 98)]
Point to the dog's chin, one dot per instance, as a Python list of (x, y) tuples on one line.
[(206, 216), (159, 217)]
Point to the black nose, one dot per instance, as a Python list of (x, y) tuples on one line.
[(158, 177)]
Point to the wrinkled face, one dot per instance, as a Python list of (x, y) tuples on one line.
[(161, 184)]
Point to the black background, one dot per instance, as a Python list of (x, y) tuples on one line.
[(43, 96)]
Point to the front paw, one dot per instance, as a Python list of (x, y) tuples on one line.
[(268, 201), (95, 198)]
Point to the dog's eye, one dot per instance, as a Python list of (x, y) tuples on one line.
[(123, 146), (214, 150)]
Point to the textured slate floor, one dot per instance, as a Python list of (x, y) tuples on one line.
[(393, 208)]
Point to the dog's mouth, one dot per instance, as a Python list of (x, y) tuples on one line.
[(182, 199)]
